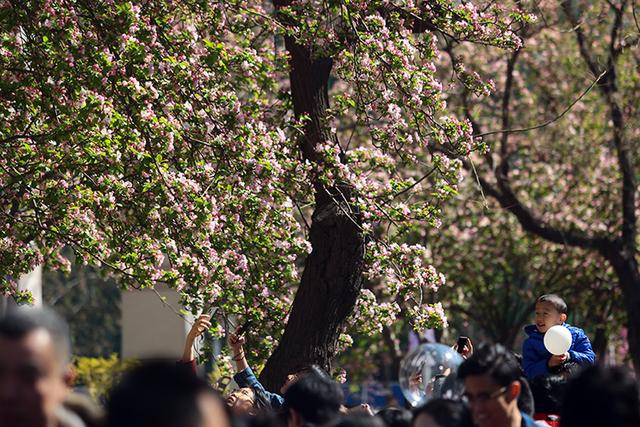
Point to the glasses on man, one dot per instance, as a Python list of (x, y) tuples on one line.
[(483, 396)]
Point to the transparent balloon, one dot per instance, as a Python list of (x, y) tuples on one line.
[(429, 371)]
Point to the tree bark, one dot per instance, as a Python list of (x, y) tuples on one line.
[(626, 268), (328, 290), (332, 276)]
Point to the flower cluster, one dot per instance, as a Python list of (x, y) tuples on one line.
[(157, 139)]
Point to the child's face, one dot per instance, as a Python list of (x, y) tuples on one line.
[(547, 316)]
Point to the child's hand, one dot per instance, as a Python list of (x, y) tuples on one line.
[(199, 326), (557, 360)]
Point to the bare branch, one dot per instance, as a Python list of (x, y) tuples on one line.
[(550, 121)]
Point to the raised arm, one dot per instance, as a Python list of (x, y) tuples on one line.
[(236, 342), (201, 324), (244, 376)]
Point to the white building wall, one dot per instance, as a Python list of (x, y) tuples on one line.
[(151, 328)]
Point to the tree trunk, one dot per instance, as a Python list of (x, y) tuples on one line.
[(626, 268), (332, 276), (328, 290), (599, 343)]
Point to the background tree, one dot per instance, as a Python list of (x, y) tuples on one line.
[(91, 304), (562, 128), (495, 272)]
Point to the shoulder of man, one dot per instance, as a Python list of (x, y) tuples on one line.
[(527, 421), (67, 418)]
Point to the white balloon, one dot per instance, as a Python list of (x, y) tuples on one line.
[(557, 340)]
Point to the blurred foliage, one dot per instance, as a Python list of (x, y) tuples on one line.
[(496, 271), (90, 302), (98, 374), (221, 374)]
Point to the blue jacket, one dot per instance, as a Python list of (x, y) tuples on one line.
[(535, 356), (246, 378), (527, 421)]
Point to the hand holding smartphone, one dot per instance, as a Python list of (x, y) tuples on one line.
[(244, 327), (462, 343)]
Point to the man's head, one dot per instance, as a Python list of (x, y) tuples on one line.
[(601, 396), (241, 401), (551, 310), (297, 374), (492, 385), (35, 373), (442, 413), (247, 401), (315, 398), (164, 394)]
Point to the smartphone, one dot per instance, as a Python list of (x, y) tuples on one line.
[(462, 342), (244, 327)]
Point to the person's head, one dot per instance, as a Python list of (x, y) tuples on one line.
[(35, 372), (356, 420), (247, 401), (395, 417), (267, 419), (297, 374), (492, 385), (551, 310), (442, 413), (164, 394), (315, 399), (601, 396)]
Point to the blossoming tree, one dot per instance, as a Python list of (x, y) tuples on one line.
[(562, 127), (194, 144)]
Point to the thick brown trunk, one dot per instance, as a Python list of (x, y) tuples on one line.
[(626, 268), (328, 290), (332, 276)]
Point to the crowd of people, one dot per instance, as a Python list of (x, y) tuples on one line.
[(495, 387)]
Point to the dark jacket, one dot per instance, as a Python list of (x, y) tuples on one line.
[(535, 355), (246, 378)]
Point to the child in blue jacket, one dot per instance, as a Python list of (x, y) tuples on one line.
[(551, 310)]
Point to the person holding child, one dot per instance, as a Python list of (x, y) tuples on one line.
[(551, 310)]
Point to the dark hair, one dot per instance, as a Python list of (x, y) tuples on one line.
[(157, 394), (492, 360), (445, 412), (555, 300), (19, 322), (316, 397), (601, 396), (395, 417), (268, 419), (356, 420)]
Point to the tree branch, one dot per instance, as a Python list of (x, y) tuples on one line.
[(608, 91), (506, 98), (508, 199)]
